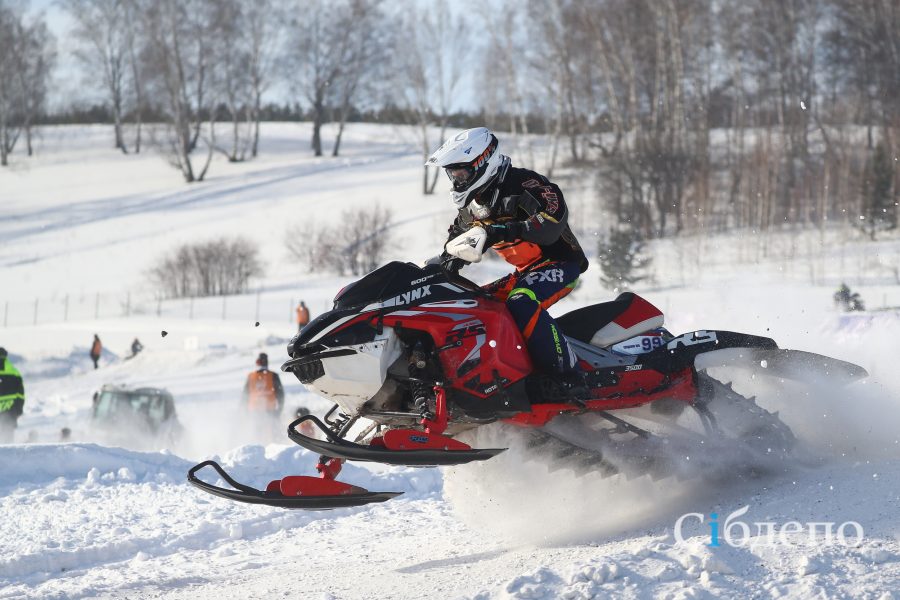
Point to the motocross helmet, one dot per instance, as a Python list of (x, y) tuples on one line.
[(475, 168)]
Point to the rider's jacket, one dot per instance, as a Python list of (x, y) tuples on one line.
[(533, 209), (263, 391), (12, 392)]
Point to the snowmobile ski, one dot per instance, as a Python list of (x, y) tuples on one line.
[(403, 447), (301, 492)]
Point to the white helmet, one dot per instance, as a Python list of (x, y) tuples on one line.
[(472, 163)]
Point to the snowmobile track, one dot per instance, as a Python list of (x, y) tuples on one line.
[(741, 439)]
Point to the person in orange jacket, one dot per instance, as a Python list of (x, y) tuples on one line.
[(306, 427), (302, 315), (96, 350), (263, 391)]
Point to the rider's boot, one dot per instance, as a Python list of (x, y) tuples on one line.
[(575, 386)]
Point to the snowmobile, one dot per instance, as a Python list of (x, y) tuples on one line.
[(414, 356)]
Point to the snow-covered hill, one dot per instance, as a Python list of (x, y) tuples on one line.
[(88, 519)]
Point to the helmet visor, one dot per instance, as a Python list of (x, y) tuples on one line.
[(460, 175)]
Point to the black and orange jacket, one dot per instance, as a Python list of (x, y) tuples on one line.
[(534, 209)]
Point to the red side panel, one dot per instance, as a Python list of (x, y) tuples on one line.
[(637, 312), (301, 485), (476, 344), (635, 388), (409, 439)]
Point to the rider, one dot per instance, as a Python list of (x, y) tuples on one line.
[(526, 220)]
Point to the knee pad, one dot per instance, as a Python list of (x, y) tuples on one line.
[(522, 308)]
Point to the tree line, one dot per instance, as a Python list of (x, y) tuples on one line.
[(711, 115), (687, 114)]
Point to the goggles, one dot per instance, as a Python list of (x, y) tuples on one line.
[(460, 175)]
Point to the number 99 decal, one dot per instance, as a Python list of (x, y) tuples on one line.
[(649, 343)]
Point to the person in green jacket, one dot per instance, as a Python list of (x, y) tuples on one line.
[(12, 397)]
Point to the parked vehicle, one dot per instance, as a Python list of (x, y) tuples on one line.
[(142, 414)]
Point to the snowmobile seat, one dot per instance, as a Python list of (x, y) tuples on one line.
[(608, 323)]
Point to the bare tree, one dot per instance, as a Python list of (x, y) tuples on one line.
[(215, 268), (365, 63), (509, 92), (430, 68), (180, 35), (231, 77), (565, 66), (355, 246), (27, 55), (107, 50), (264, 27), (323, 44), (133, 19), (9, 132)]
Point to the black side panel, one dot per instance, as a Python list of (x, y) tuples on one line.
[(581, 324), (681, 351), (313, 328), (507, 402)]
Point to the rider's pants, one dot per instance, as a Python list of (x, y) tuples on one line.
[(528, 294)]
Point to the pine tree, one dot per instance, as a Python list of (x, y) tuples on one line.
[(622, 260), (880, 207)]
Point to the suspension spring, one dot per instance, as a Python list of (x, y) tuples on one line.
[(421, 391)]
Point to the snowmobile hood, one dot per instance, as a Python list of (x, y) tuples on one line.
[(392, 286), (382, 283)]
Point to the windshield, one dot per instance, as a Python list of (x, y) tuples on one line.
[(396, 278), (111, 404)]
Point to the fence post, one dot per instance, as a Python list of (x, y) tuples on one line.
[(35, 310), (97, 306), (66, 310)]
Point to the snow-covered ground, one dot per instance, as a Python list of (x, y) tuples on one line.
[(89, 519)]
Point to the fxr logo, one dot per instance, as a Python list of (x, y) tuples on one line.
[(691, 339), (552, 275)]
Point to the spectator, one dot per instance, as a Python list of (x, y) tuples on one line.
[(306, 427), (263, 391), (136, 347), (302, 315), (96, 350), (12, 397)]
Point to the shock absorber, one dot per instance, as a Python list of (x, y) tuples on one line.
[(420, 390)]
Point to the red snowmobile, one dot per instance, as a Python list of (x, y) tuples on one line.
[(414, 356)]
